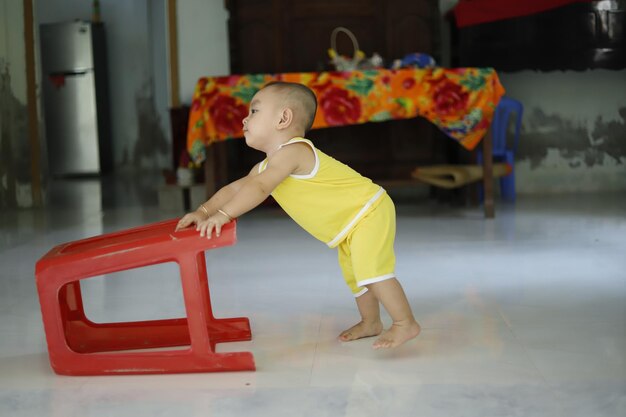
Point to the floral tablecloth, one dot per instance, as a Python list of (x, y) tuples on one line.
[(459, 101)]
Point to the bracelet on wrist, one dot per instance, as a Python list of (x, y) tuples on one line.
[(230, 219), (204, 209)]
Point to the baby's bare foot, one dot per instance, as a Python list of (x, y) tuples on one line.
[(397, 334), (361, 330)]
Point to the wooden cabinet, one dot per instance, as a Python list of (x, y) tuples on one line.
[(273, 36)]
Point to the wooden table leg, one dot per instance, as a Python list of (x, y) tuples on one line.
[(215, 168), (488, 176), (210, 182)]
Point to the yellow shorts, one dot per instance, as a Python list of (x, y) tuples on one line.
[(366, 256)]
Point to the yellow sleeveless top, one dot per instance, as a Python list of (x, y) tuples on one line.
[(329, 201)]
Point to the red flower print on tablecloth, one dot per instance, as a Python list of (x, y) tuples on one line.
[(228, 80), (408, 83), (448, 97), (339, 108), (228, 114), (202, 82), (202, 98), (319, 86)]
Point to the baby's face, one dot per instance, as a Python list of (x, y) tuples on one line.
[(263, 116)]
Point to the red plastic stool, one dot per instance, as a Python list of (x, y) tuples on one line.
[(76, 345)]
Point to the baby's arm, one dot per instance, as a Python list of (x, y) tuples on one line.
[(216, 201), (256, 189), (225, 194)]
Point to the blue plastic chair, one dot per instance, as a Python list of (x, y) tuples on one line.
[(502, 153)]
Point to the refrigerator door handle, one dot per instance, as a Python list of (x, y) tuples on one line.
[(72, 73)]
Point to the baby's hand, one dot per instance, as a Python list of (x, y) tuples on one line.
[(216, 222), (189, 219)]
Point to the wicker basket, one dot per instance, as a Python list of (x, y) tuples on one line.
[(342, 63)]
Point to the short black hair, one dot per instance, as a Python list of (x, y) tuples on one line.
[(301, 95)]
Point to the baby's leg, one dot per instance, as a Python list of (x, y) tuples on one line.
[(368, 254), (404, 328), (370, 324)]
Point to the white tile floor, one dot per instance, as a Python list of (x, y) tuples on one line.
[(524, 315)]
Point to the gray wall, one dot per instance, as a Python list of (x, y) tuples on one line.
[(15, 175), (573, 131), (137, 64), (202, 42), (574, 127), (138, 78)]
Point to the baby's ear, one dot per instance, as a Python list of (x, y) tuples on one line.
[(286, 118)]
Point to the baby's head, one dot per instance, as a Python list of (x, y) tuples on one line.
[(278, 112), (297, 97)]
